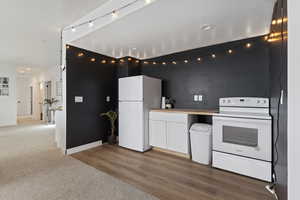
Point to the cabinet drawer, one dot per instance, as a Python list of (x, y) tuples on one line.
[(170, 117)]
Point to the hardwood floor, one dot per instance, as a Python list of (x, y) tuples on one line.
[(169, 177)]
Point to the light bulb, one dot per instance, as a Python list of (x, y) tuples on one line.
[(114, 13), (73, 29), (213, 55), (91, 24), (230, 51), (164, 63), (199, 59), (248, 45), (186, 61)]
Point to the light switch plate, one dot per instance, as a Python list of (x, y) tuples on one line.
[(196, 98), (108, 99), (78, 99)]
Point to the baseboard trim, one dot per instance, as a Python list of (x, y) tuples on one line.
[(83, 147)]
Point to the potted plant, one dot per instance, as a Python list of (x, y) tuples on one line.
[(49, 108), (112, 116), (50, 102)]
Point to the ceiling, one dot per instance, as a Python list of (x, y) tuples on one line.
[(30, 30), (169, 26)]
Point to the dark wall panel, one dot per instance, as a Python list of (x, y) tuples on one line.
[(94, 81), (278, 69), (245, 72)]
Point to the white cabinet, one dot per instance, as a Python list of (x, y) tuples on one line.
[(170, 131), (177, 137), (158, 136)]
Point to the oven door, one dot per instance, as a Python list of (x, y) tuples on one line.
[(240, 136)]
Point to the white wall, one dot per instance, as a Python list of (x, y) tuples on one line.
[(293, 100), (8, 105)]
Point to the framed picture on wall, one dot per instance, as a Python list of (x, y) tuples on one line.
[(4, 86)]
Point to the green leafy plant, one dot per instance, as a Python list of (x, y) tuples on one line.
[(50, 102), (112, 116)]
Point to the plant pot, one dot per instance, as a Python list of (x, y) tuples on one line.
[(112, 139)]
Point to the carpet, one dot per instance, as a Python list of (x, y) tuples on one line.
[(32, 168)]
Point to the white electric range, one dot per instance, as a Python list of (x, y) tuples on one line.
[(242, 137)]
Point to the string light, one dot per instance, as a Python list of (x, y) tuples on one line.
[(279, 21), (114, 14), (272, 37), (266, 37), (248, 45), (68, 47), (274, 22)]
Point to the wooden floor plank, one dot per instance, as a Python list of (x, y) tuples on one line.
[(170, 177)]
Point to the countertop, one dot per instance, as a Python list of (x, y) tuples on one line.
[(187, 111)]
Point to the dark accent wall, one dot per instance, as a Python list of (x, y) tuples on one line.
[(243, 73), (278, 69), (128, 67), (94, 81)]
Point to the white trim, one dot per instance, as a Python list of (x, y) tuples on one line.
[(83, 147), (293, 100)]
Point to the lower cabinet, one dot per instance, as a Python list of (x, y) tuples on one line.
[(157, 134), (177, 137), (170, 131)]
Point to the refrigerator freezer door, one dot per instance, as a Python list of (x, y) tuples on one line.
[(131, 125), (131, 88)]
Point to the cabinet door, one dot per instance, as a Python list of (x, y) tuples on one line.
[(177, 137), (157, 133)]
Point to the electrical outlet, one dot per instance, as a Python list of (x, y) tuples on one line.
[(196, 98), (78, 99), (200, 97)]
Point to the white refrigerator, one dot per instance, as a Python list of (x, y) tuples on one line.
[(137, 95)]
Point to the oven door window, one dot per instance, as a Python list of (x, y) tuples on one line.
[(240, 136)]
